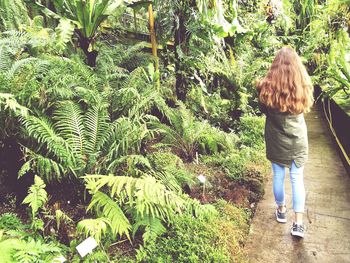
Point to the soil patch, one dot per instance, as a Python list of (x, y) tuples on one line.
[(243, 192)]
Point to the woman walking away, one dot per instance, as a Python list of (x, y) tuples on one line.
[(285, 94)]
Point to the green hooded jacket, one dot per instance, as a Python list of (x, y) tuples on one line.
[(285, 138)]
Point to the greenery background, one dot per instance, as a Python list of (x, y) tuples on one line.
[(100, 138)]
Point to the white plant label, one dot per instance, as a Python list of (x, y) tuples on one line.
[(86, 246), (201, 178)]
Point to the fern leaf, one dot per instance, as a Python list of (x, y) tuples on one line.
[(24, 169), (44, 133), (93, 227), (37, 195), (65, 30), (153, 228), (13, 14), (96, 123), (109, 208), (7, 101), (146, 194), (8, 249), (69, 123), (18, 64), (60, 217)]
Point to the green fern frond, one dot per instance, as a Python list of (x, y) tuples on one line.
[(109, 209), (44, 133), (194, 207), (132, 163), (18, 64), (8, 249), (146, 194), (10, 221), (153, 228), (96, 121), (33, 250), (24, 169), (7, 101), (60, 217), (96, 228), (126, 135), (5, 58), (64, 33), (37, 195), (13, 14), (48, 168), (70, 124), (14, 41)]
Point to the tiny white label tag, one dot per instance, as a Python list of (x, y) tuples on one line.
[(86, 246), (201, 178)]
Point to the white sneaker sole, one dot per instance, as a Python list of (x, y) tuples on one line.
[(279, 219), (297, 234)]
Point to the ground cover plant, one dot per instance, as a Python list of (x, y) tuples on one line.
[(158, 158)]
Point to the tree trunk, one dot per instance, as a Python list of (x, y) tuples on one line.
[(84, 44), (152, 33), (181, 43)]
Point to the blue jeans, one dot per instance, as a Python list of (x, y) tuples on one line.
[(298, 189)]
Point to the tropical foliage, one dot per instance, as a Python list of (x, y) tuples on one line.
[(107, 141)]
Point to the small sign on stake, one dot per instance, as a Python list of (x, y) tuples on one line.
[(201, 178), (86, 246)]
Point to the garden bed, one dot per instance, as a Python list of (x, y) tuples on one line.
[(242, 193)]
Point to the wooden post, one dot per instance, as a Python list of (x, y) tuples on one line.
[(153, 35), (135, 21)]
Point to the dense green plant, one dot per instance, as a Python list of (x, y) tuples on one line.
[(339, 66), (188, 240), (138, 93), (80, 142), (218, 87), (187, 136), (194, 25), (130, 204), (235, 164), (170, 170), (10, 221), (13, 14), (251, 132), (19, 245), (144, 197), (87, 16), (116, 58), (77, 120)]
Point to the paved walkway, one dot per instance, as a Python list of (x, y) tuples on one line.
[(327, 217)]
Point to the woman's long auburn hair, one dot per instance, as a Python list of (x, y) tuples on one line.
[(287, 86)]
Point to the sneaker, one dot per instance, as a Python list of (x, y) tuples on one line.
[(297, 230), (281, 217)]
